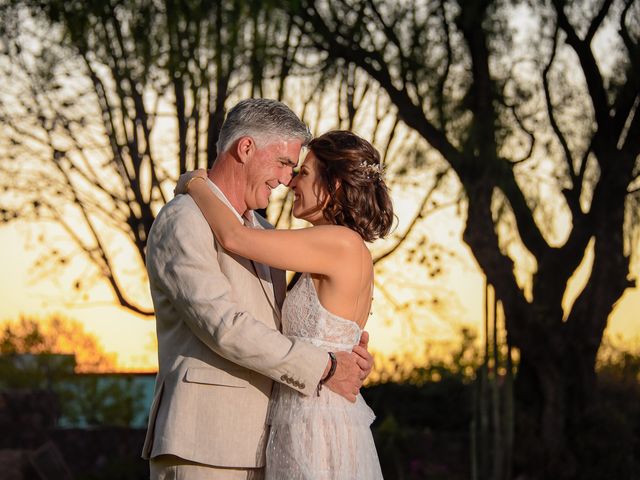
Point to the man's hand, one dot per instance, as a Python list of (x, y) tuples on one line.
[(364, 358), (352, 369), (346, 381)]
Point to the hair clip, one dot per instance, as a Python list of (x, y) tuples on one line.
[(372, 170)]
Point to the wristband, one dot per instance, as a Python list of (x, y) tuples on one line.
[(332, 370)]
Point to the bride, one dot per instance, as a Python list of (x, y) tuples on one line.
[(341, 192)]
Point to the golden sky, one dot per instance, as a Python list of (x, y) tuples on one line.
[(460, 286), (132, 338)]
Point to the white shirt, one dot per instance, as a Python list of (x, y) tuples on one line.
[(264, 272)]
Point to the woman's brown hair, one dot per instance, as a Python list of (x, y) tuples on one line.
[(351, 170)]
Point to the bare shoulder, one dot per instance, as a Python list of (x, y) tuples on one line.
[(350, 259), (342, 237)]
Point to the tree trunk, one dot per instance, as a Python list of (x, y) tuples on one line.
[(541, 447)]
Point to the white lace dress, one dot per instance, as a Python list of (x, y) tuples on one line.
[(323, 437)]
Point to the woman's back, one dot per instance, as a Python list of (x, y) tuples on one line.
[(347, 291), (322, 436)]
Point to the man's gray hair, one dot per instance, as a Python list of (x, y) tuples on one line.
[(263, 120)]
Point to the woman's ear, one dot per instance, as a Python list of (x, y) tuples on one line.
[(337, 185)]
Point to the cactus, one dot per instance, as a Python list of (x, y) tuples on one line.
[(492, 425)]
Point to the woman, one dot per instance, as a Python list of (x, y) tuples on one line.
[(340, 191)]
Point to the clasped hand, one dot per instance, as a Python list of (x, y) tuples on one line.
[(183, 181), (353, 368)]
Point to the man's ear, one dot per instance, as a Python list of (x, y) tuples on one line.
[(245, 147)]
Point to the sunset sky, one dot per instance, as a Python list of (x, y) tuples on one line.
[(405, 317), (132, 337)]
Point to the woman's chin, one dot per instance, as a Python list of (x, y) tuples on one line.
[(296, 213)]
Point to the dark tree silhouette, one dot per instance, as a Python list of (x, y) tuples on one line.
[(501, 117), (95, 88), (104, 103)]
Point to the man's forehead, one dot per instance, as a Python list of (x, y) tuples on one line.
[(292, 151), (286, 143)]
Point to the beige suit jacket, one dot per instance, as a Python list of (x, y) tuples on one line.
[(219, 348)]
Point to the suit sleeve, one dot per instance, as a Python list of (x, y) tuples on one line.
[(182, 261)]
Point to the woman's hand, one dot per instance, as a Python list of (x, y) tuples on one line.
[(183, 181)]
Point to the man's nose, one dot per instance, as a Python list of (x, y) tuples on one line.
[(287, 178), (294, 180)]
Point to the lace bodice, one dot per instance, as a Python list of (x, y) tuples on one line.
[(303, 316), (324, 436)]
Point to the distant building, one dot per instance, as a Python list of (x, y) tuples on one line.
[(109, 392), (85, 400)]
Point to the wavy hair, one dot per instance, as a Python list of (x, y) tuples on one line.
[(352, 173)]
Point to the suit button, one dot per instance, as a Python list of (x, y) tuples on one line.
[(284, 378), (303, 386)]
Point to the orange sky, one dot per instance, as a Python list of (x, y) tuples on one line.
[(132, 337)]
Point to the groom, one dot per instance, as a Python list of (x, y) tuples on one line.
[(218, 315)]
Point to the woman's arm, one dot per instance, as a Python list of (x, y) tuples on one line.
[(322, 249)]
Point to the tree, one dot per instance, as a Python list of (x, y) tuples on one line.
[(55, 335), (106, 102), (87, 394), (95, 88), (454, 74)]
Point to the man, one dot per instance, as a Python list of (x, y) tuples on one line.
[(218, 315)]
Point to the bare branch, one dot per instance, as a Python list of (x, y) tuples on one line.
[(420, 213), (551, 115), (442, 81), (532, 138), (374, 64), (593, 77), (597, 20)]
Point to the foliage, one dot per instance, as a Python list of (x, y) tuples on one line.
[(424, 430), (537, 128), (55, 335), (458, 358), (37, 354), (611, 447), (100, 400), (425, 409), (610, 444), (109, 101), (534, 146)]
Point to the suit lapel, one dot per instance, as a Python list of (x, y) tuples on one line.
[(268, 290), (279, 281), (270, 286), (262, 272)]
